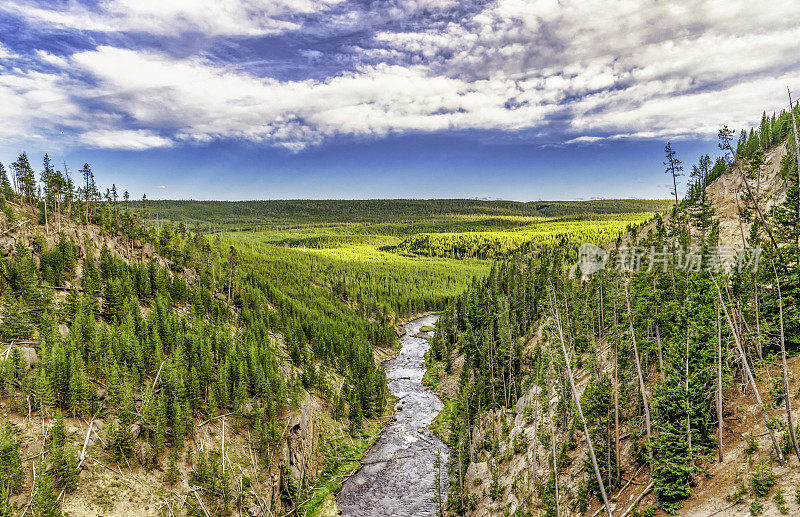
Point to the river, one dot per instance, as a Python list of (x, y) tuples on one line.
[(398, 476)]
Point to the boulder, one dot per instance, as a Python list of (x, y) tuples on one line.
[(18, 501), (29, 354), (148, 250), (63, 330), (191, 276), (144, 454)]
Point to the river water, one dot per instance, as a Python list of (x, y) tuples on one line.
[(398, 476)]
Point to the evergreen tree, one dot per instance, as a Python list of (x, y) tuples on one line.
[(674, 168), (45, 502), (25, 177), (12, 476), (5, 185)]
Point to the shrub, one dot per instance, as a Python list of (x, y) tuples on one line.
[(520, 442), (780, 502), (763, 478)]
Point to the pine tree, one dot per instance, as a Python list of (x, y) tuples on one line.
[(45, 502), (674, 168), (12, 476), (65, 467), (173, 474), (6, 509), (25, 177), (89, 188), (122, 440), (5, 185)]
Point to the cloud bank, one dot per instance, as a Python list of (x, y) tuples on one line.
[(150, 74)]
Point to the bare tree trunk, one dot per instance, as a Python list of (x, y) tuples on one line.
[(719, 382), (787, 395), (660, 355), (580, 414), (688, 401), (460, 477), (755, 203), (749, 373), (602, 319), (639, 374), (553, 447), (535, 441), (758, 324), (616, 389), (741, 228), (796, 137), (491, 360), (796, 151)]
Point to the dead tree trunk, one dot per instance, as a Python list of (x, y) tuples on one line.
[(688, 400), (580, 414), (535, 441), (616, 388), (758, 324), (719, 382), (749, 373), (786, 393), (796, 137), (796, 149), (660, 355), (553, 447), (639, 374)]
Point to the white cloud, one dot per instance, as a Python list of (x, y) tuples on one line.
[(124, 139), (5, 53), (644, 69), (209, 17), (201, 102)]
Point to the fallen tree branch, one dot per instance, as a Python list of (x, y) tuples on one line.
[(641, 496), (204, 422), (26, 221)]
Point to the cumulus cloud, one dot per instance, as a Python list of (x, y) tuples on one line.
[(199, 101), (576, 70)]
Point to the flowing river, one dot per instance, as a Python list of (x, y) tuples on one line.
[(398, 475)]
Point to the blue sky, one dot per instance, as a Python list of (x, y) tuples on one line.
[(513, 99)]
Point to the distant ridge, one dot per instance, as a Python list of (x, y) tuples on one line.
[(242, 214)]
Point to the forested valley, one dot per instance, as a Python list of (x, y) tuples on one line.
[(155, 362)]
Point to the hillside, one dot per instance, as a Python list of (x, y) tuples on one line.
[(148, 371), (642, 346)]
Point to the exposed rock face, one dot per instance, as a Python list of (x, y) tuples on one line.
[(723, 194), (301, 442)]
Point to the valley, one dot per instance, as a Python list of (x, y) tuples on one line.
[(402, 357)]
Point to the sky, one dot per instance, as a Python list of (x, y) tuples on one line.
[(277, 99)]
